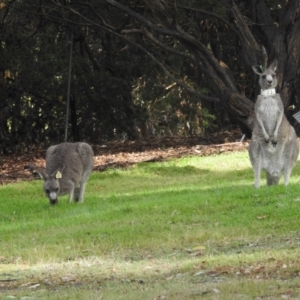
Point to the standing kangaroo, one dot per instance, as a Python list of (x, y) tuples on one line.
[(68, 166), (274, 147)]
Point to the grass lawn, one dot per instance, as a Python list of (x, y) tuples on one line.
[(188, 228)]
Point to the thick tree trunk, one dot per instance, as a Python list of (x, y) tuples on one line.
[(282, 40)]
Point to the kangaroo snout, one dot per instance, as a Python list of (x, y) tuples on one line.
[(53, 201), (269, 80), (53, 198)]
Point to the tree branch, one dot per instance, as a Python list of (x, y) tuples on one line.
[(252, 51), (157, 42), (163, 31)]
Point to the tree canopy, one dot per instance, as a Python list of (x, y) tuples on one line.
[(138, 65)]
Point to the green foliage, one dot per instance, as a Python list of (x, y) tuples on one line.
[(155, 229)]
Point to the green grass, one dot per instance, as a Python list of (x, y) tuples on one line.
[(182, 229)]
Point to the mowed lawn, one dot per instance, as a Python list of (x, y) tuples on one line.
[(190, 228)]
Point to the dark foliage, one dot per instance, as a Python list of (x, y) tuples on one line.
[(139, 68)]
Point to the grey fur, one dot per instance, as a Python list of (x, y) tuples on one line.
[(73, 162), (274, 146)]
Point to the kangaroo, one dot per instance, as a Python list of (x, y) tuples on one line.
[(68, 166), (274, 146)]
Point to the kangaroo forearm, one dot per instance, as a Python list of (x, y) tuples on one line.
[(279, 120), (261, 124)]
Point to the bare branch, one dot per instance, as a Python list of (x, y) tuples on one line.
[(213, 15), (164, 31), (157, 42), (252, 50)]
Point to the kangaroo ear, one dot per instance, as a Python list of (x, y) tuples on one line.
[(273, 65), (258, 69), (35, 169)]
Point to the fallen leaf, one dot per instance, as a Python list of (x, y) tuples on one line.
[(34, 286), (262, 217), (199, 273), (197, 248)]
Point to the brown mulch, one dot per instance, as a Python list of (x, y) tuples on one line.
[(125, 154)]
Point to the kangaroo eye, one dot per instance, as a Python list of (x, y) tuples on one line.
[(47, 191), (263, 76)]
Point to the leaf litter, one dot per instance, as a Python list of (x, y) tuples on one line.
[(125, 154)]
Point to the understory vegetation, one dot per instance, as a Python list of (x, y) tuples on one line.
[(180, 229)]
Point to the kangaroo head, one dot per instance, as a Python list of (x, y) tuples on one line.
[(51, 186), (267, 78), (51, 182)]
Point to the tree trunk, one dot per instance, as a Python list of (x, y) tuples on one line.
[(74, 121)]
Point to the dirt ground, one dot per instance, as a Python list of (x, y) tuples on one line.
[(124, 154)]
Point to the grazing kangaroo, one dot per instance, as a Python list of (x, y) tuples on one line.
[(68, 166), (274, 146)]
